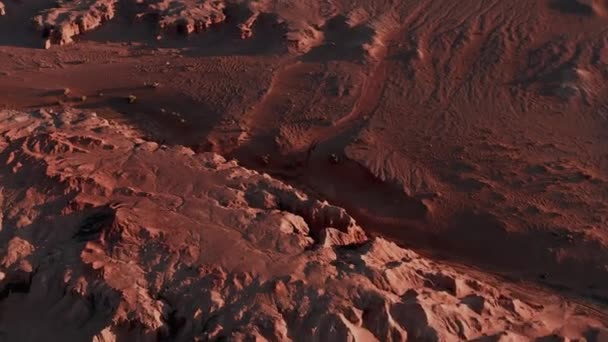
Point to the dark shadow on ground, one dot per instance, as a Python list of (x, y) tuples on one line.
[(342, 42), (16, 26), (571, 7), (164, 117)]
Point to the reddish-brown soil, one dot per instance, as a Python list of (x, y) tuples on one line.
[(474, 133)]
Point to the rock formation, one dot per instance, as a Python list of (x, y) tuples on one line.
[(105, 240), (59, 25)]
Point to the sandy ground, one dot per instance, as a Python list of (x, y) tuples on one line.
[(473, 133)]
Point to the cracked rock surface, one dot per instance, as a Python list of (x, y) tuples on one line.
[(105, 238)]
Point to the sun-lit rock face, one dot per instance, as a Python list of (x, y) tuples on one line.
[(105, 238), (59, 25), (189, 16), (302, 23)]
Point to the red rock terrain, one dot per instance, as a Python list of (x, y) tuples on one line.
[(304, 170), (105, 240)]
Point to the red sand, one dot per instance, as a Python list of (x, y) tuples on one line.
[(473, 133)]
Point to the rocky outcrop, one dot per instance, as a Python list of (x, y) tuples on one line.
[(59, 25), (302, 26), (107, 236), (187, 17)]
